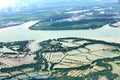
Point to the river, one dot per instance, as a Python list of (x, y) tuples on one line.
[(21, 32)]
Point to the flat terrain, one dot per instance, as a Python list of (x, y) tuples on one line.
[(86, 47), (63, 58), (67, 16)]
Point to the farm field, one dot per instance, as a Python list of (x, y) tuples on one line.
[(60, 40), (56, 59)]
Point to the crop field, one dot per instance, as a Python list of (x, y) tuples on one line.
[(88, 59)]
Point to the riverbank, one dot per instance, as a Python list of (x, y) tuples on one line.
[(21, 32)]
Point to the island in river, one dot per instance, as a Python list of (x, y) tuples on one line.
[(21, 32), (69, 41), (67, 16)]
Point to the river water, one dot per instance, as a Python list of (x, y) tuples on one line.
[(21, 32)]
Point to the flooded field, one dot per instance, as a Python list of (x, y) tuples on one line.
[(55, 57)]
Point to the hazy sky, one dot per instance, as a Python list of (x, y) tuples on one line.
[(7, 3)]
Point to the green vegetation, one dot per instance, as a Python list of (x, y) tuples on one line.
[(58, 61), (57, 17), (72, 25), (21, 45)]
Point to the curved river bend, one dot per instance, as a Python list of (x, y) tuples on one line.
[(21, 32)]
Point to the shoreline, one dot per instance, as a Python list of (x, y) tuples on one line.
[(114, 40), (22, 32), (23, 25)]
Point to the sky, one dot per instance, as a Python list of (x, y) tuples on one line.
[(12, 3), (7, 3)]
